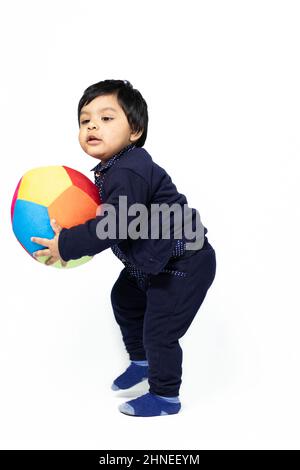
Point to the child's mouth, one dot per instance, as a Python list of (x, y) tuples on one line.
[(94, 141)]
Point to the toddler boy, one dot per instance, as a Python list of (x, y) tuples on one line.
[(165, 278)]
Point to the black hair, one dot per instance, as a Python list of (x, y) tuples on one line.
[(130, 100)]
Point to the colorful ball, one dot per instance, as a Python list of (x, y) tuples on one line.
[(52, 192)]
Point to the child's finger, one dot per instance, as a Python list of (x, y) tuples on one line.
[(40, 241), (56, 227), (50, 260), (46, 252), (99, 210)]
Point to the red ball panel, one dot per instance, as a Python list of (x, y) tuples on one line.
[(15, 196), (84, 183)]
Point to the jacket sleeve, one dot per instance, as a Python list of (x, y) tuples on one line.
[(82, 240)]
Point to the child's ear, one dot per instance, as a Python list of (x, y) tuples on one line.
[(136, 135)]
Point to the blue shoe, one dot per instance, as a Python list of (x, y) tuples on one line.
[(133, 375), (149, 405)]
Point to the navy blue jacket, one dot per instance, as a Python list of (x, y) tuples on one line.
[(138, 177)]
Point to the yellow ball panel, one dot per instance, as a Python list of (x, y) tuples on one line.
[(43, 185)]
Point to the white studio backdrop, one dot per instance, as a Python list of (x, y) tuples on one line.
[(221, 79)]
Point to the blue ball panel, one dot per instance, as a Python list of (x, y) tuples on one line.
[(31, 220)]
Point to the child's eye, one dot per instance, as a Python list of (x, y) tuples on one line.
[(104, 117)]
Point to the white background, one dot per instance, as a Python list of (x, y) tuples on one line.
[(221, 79)]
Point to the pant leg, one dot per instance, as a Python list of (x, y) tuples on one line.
[(129, 305), (172, 305)]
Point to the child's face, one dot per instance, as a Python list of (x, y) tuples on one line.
[(110, 126)]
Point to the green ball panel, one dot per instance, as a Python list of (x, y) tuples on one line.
[(73, 263)]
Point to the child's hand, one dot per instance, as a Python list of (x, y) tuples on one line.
[(52, 245)]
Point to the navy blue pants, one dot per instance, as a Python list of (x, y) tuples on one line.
[(153, 316)]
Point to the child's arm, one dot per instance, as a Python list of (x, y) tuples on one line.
[(82, 240)]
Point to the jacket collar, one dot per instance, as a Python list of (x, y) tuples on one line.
[(103, 166)]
